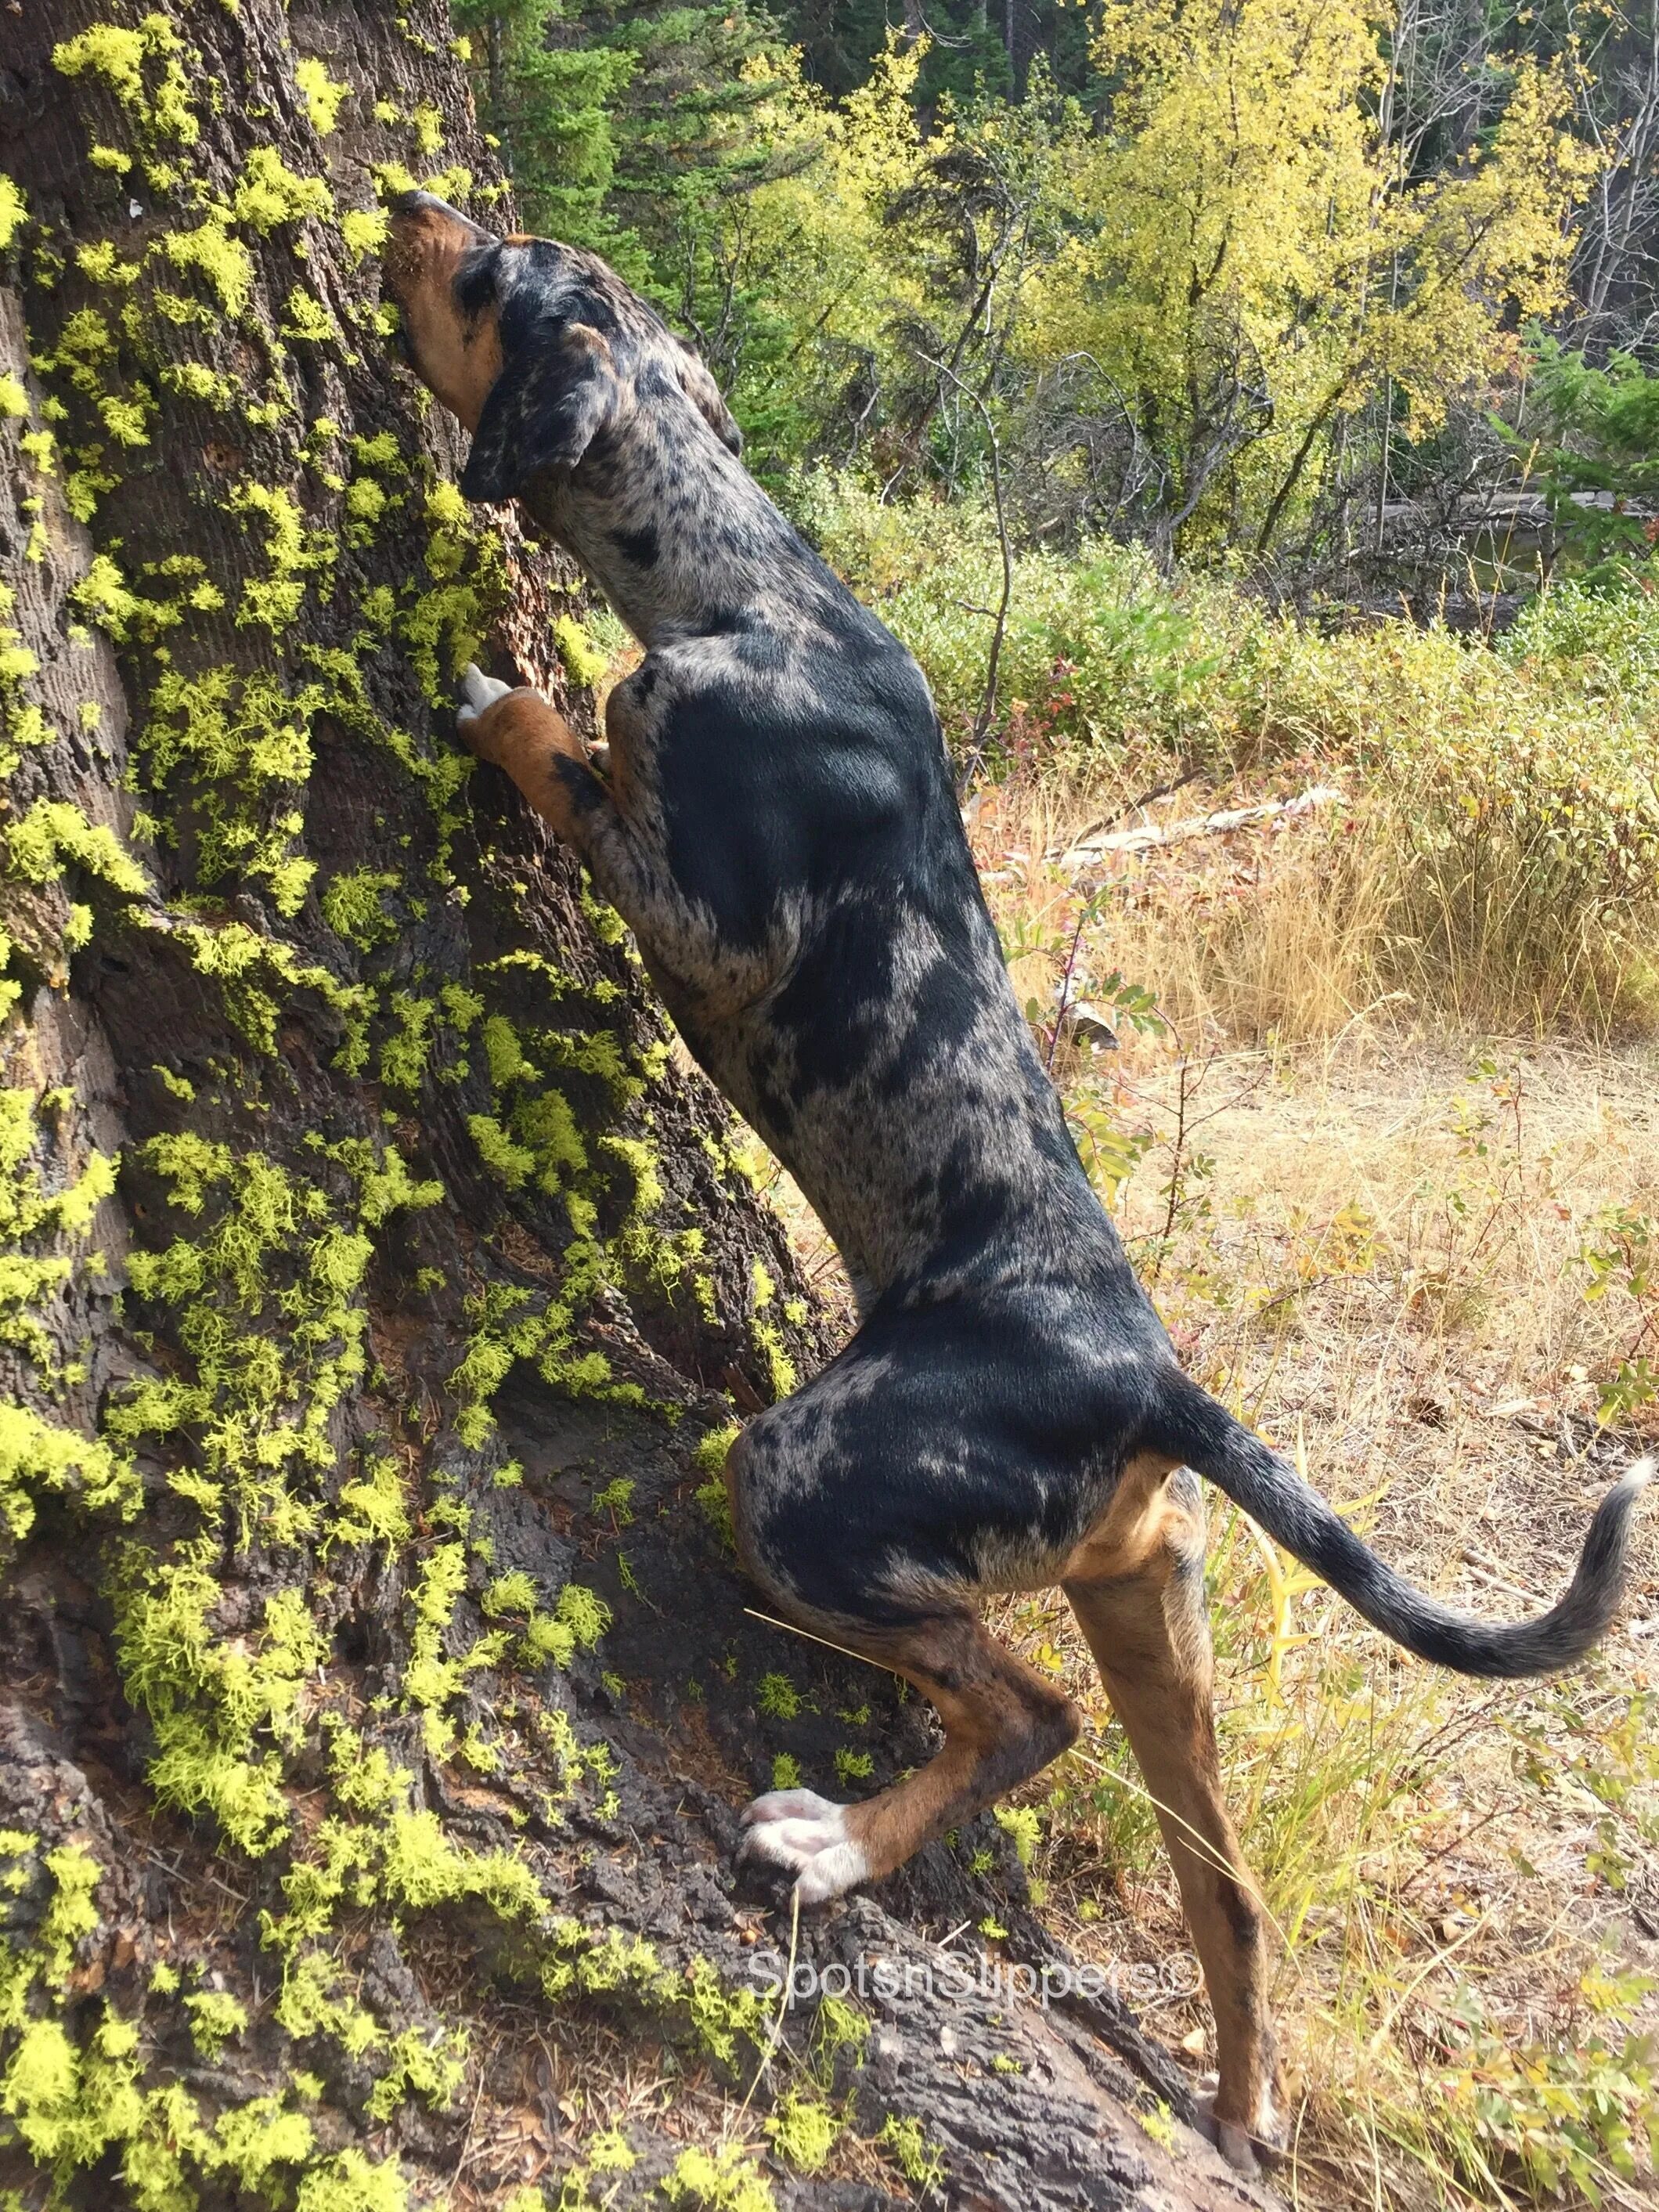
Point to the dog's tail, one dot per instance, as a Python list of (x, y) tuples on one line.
[(1193, 1428)]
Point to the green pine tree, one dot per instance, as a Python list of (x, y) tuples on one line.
[(623, 126)]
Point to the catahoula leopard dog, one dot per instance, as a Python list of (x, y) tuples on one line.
[(777, 822)]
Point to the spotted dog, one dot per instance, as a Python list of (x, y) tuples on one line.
[(776, 821)]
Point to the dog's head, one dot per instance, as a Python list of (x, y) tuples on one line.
[(537, 347)]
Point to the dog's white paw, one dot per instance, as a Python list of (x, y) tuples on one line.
[(807, 1835), (1242, 2147), (790, 1805), (477, 691)]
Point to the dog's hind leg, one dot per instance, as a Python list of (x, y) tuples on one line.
[(1139, 1601), (1002, 1722), (832, 1522), (830, 1531)]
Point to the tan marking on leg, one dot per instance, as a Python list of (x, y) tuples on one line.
[(1131, 1531), (1003, 1722), (1148, 1629), (522, 735)]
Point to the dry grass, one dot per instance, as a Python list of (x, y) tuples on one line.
[(1279, 933), (1292, 932), (1365, 1232)]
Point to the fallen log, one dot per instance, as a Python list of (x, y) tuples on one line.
[(1153, 836)]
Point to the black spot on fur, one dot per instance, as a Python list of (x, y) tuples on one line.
[(641, 547), (1243, 1917)]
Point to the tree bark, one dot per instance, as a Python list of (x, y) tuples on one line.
[(378, 1687)]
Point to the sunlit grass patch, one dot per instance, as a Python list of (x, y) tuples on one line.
[(1493, 863)]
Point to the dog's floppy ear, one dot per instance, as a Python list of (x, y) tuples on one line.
[(558, 390), (701, 389)]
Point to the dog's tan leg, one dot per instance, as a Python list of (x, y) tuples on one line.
[(520, 733), (1147, 1628), (1003, 1721), (528, 739)]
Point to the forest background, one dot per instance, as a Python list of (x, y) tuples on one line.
[(1276, 286)]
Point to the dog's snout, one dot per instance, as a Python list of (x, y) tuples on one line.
[(437, 270), (418, 210), (424, 234)]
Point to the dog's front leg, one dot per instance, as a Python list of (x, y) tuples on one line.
[(525, 735), (521, 733)]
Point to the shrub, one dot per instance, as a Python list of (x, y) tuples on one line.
[(1500, 862)]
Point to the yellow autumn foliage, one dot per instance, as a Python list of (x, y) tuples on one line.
[(1245, 239)]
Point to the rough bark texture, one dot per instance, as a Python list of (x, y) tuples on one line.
[(378, 1688)]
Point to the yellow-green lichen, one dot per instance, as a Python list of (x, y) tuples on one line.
[(803, 2130), (244, 743), (354, 906), (906, 2142), (297, 554), (307, 316), (767, 1337), (160, 108), (364, 231), (13, 212), (725, 2180), (323, 95), (583, 662), (578, 1620), (268, 192), (211, 252)]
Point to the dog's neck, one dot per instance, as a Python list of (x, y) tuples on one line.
[(669, 524)]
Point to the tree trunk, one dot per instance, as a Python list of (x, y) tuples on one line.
[(378, 1687)]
